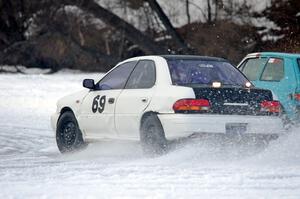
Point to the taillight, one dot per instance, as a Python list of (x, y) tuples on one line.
[(297, 96), (271, 106), (191, 105)]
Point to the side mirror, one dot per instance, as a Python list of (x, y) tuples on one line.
[(88, 83)]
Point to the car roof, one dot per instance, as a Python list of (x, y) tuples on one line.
[(290, 55), (193, 57), (176, 57)]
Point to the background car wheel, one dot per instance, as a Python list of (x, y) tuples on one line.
[(68, 135), (152, 136)]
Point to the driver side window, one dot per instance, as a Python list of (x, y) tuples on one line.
[(117, 78)]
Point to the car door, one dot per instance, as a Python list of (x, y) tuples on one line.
[(135, 98), (98, 107)]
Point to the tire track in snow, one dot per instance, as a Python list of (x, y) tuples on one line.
[(20, 140)]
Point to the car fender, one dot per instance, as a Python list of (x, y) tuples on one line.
[(164, 98), (72, 101)]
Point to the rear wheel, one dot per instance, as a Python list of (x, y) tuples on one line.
[(68, 135), (152, 136)]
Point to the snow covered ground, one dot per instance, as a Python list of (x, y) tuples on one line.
[(32, 167)]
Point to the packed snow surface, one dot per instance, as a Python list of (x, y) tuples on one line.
[(32, 167)]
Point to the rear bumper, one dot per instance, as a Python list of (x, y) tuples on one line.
[(182, 125)]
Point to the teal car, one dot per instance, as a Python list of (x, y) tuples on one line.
[(278, 72)]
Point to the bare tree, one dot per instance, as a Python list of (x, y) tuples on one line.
[(209, 20), (134, 35), (168, 25), (187, 9)]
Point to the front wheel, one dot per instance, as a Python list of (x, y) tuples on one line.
[(152, 136), (68, 135)]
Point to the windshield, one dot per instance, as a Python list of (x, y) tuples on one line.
[(184, 72)]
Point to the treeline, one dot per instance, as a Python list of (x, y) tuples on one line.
[(94, 35)]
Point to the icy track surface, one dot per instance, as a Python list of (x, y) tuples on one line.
[(32, 167)]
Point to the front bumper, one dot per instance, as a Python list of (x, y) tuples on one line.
[(183, 125)]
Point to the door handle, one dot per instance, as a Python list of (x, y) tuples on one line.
[(144, 99), (111, 100)]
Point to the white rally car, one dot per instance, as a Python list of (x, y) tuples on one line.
[(155, 99)]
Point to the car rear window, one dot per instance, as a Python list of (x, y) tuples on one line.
[(185, 72)]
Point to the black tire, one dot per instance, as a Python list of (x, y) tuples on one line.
[(152, 136), (68, 135)]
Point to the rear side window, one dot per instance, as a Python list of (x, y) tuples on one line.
[(252, 67), (298, 64), (117, 78), (274, 70), (143, 76), (189, 72)]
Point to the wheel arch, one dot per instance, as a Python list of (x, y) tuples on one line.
[(65, 109), (145, 115)]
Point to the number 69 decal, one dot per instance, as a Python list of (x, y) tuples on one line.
[(98, 104)]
